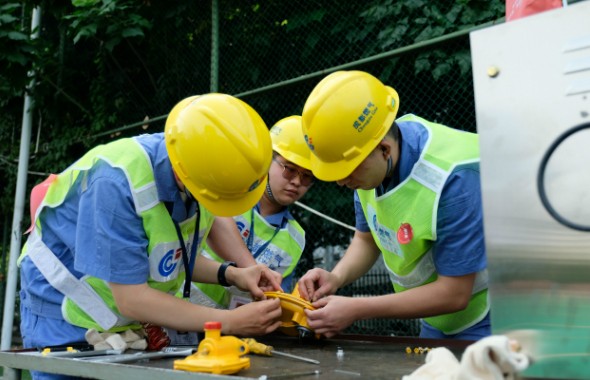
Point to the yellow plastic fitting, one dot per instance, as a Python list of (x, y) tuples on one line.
[(216, 354), (293, 319)]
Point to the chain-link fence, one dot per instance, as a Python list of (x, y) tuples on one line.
[(270, 54)]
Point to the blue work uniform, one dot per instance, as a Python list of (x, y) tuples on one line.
[(98, 233)]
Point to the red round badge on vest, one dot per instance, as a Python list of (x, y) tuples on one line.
[(405, 233)]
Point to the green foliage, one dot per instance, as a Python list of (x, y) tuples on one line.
[(406, 23), (17, 59), (103, 64), (110, 21), (17, 52)]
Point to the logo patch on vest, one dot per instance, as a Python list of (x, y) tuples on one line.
[(245, 232), (405, 234), (386, 236), (166, 261), (169, 262)]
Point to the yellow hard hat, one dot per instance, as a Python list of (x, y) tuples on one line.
[(287, 140), (220, 149), (344, 119)]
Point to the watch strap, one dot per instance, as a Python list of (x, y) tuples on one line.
[(221, 272)]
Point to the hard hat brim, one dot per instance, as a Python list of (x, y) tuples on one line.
[(338, 170), (334, 171), (228, 207)]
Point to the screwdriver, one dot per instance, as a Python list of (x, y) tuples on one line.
[(266, 350)]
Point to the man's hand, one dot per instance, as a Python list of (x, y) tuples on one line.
[(254, 318), (317, 283), (256, 279), (332, 315)]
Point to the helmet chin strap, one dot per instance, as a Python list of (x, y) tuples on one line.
[(184, 191), (271, 196), (269, 192), (389, 171), (189, 195), (388, 175)]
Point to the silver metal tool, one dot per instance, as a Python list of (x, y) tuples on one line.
[(267, 350), (279, 353), (290, 375), (141, 355), (76, 354)]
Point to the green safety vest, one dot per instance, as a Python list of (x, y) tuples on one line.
[(282, 254), (88, 301), (415, 202)]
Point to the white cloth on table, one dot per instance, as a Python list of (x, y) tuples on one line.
[(117, 341), (492, 358)]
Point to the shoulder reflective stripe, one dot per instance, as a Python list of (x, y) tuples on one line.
[(146, 197), (64, 281), (429, 175), (481, 281), (423, 270), (84, 183), (296, 234), (139, 206), (201, 298)]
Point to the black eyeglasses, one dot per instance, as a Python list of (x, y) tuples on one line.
[(290, 172)]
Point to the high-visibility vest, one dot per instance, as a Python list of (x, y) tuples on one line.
[(413, 204), (88, 301), (282, 249)]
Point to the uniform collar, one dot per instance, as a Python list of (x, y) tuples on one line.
[(280, 218)]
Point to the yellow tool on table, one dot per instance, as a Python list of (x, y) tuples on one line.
[(266, 350), (216, 354)]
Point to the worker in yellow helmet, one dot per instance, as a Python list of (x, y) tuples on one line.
[(417, 202), (271, 234), (117, 233)]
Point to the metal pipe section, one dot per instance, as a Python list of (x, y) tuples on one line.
[(375, 58), (19, 201), (214, 46)]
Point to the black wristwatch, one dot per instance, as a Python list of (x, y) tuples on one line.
[(221, 272)]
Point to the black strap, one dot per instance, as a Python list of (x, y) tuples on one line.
[(189, 263), (221, 273)]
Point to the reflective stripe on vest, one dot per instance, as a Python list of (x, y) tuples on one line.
[(425, 269), (418, 276), (63, 280)]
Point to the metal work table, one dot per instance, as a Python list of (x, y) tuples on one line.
[(366, 357)]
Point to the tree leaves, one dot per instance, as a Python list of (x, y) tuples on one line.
[(102, 64)]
